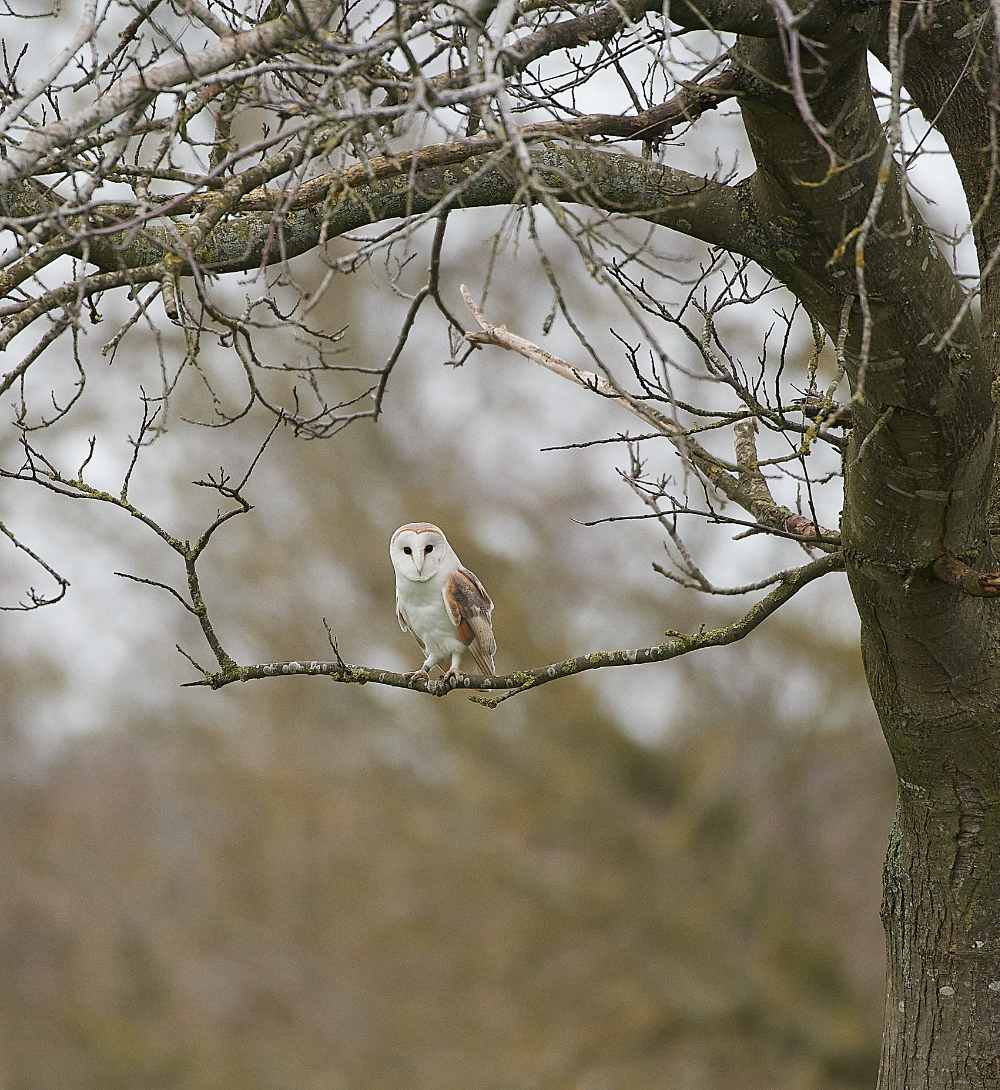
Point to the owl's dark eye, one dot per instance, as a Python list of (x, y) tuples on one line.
[(407, 550), (428, 548)]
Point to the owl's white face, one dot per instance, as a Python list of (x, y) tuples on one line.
[(418, 550)]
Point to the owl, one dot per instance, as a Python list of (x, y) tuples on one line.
[(443, 604)]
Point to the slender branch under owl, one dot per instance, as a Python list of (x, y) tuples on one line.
[(439, 600), (676, 644)]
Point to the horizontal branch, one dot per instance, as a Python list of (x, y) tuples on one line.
[(678, 644), (613, 182), (112, 246), (754, 19), (649, 125)]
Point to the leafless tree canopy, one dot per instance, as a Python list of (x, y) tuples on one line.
[(169, 145)]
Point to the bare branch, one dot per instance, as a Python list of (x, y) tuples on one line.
[(85, 31), (949, 569), (156, 583), (715, 471), (39, 143), (678, 644), (35, 600)]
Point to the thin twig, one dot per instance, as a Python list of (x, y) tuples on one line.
[(35, 600)]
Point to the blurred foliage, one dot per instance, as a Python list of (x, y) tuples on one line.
[(331, 895), (296, 884), (301, 885)]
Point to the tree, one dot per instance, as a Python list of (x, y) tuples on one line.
[(198, 141)]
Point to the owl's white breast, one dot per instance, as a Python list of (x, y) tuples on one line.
[(426, 616)]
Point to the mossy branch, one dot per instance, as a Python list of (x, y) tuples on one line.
[(677, 644)]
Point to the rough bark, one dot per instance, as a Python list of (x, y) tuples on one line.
[(919, 488)]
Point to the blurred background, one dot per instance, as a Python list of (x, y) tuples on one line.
[(657, 877)]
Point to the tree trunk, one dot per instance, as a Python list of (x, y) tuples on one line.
[(942, 889), (918, 474)]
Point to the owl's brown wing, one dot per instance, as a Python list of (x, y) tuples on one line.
[(470, 607)]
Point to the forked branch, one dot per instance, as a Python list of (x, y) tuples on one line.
[(746, 492), (38, 469)]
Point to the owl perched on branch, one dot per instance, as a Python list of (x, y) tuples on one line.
[(443, 604)]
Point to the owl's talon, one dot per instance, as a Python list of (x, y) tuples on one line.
[(417, 675), (454, 676)]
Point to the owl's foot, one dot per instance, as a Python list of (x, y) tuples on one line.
[(417, 675), (454, 675)]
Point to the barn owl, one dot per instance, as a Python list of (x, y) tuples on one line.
[(443, 604)]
